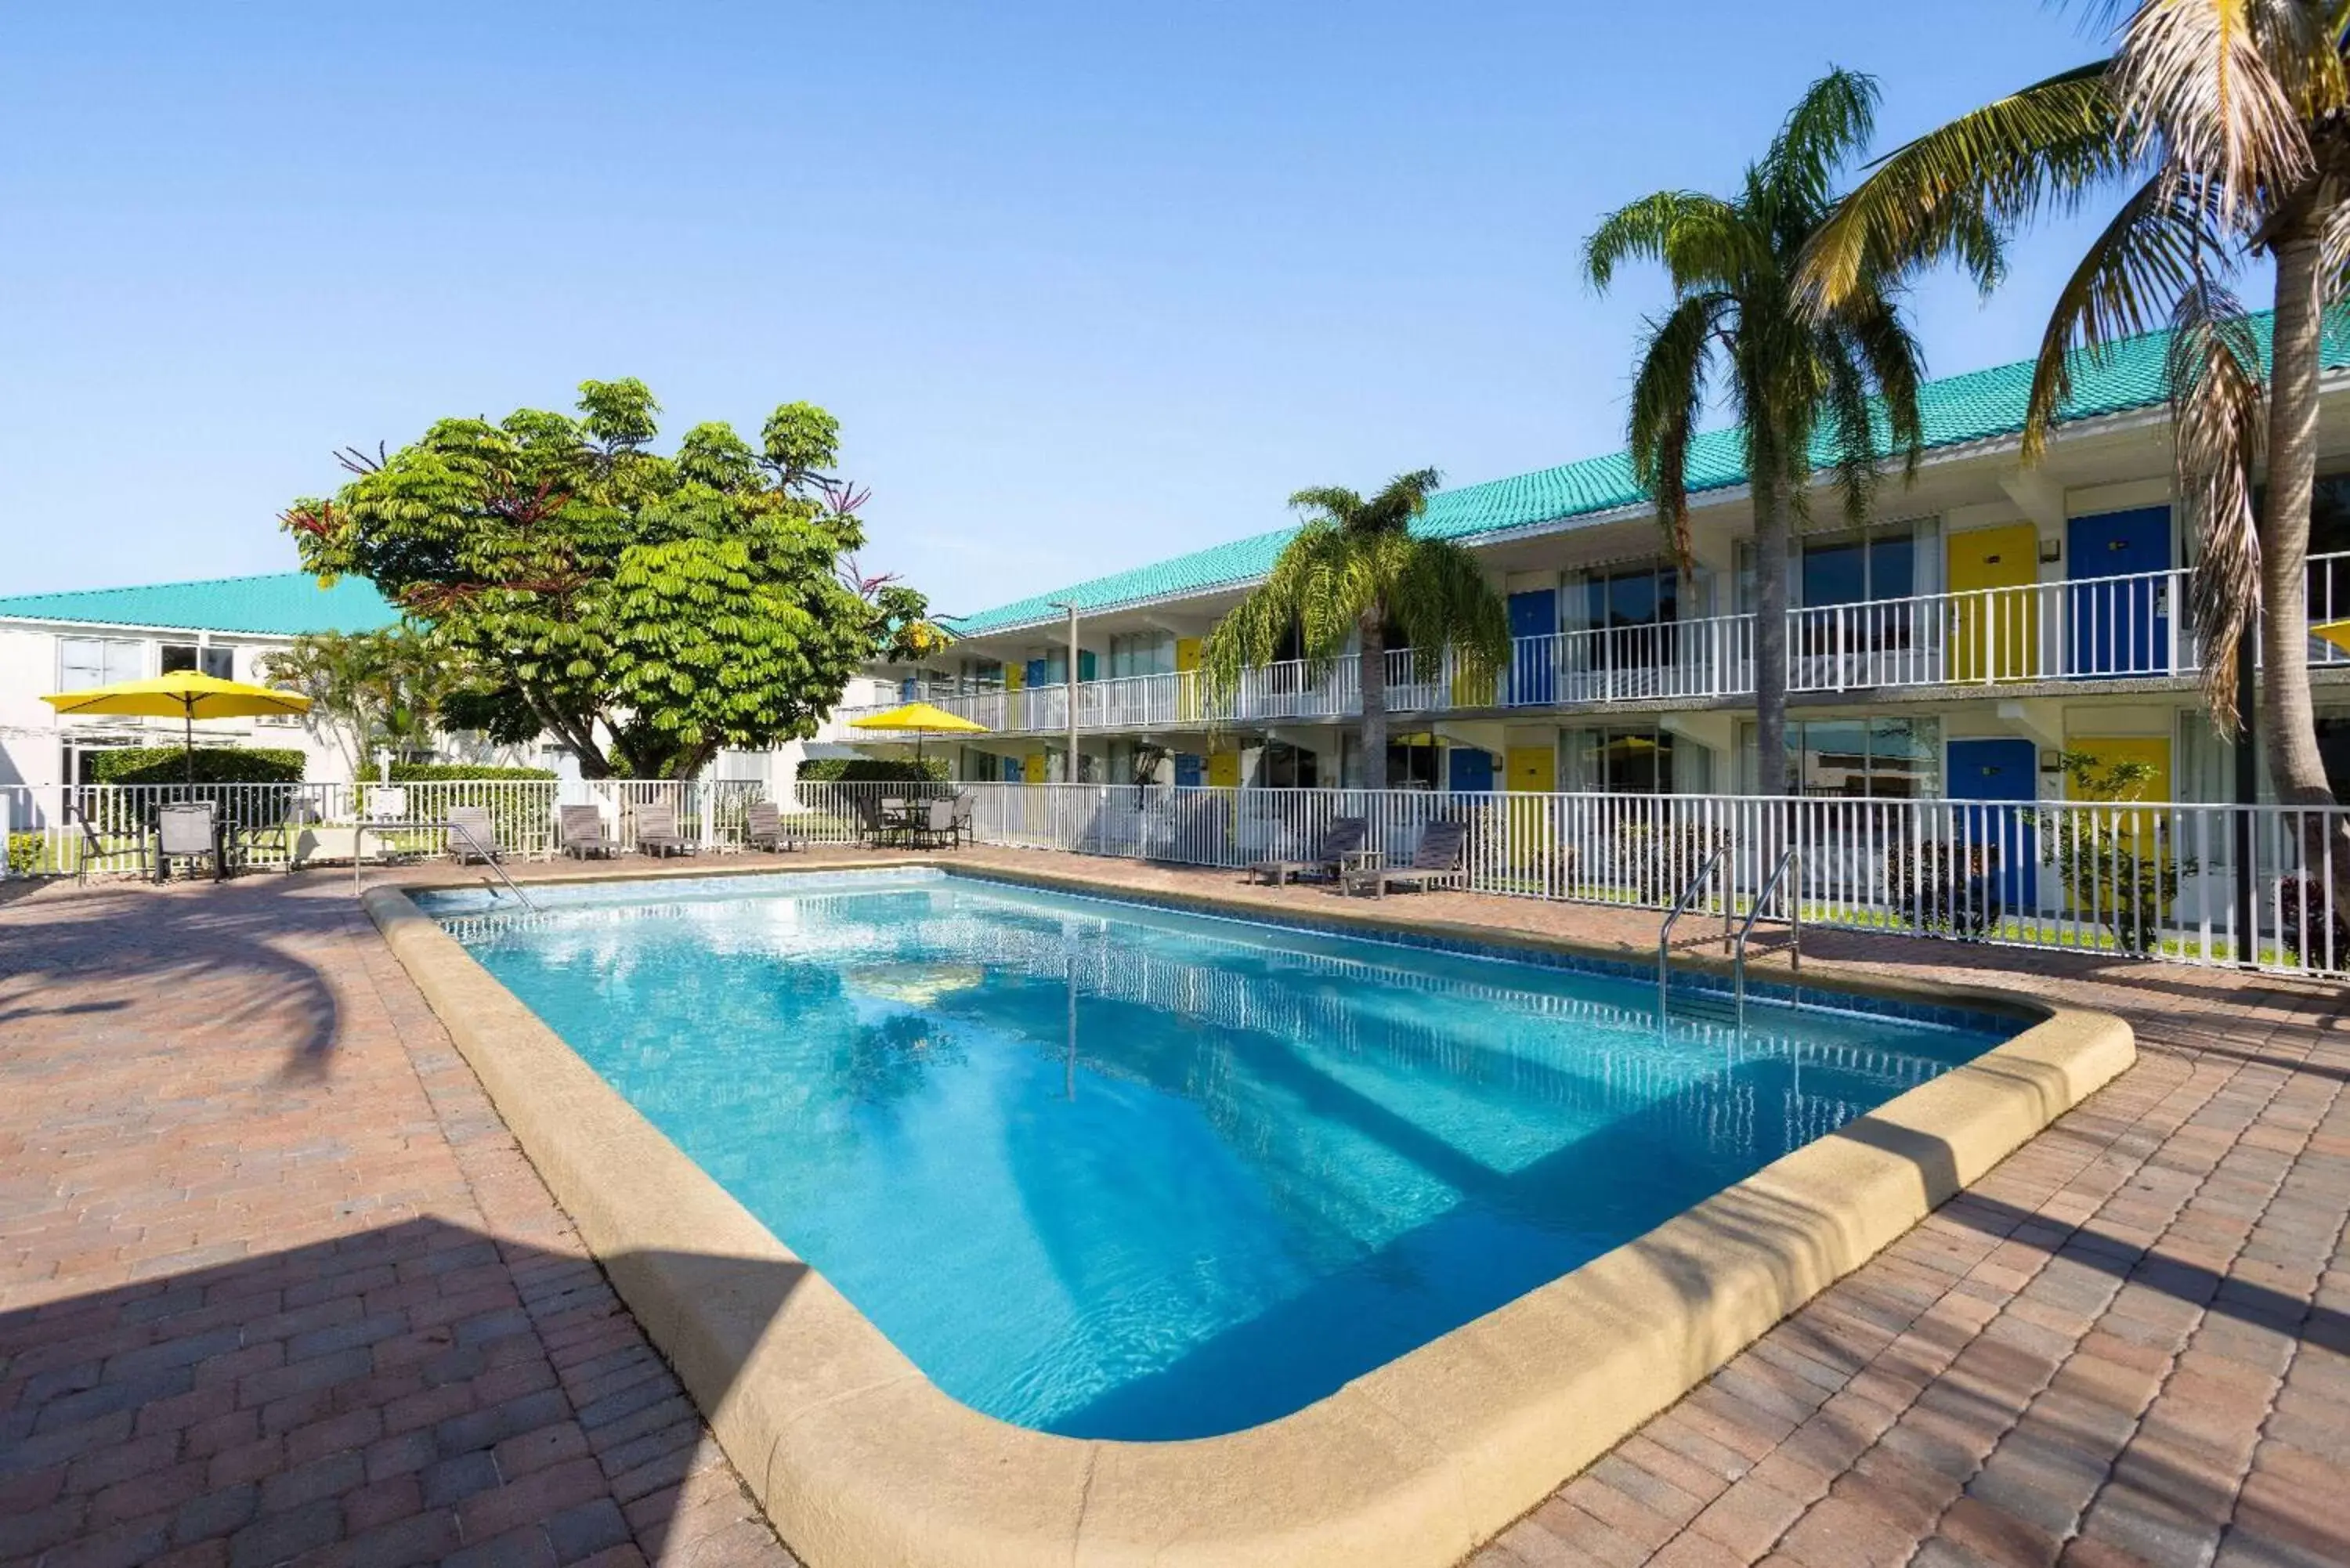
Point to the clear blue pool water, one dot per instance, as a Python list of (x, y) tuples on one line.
[(1108, 1170)]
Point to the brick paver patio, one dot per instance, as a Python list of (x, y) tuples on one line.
[(276, 1285)]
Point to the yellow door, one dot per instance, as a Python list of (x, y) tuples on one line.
[(2153, 752), (1475, 690), (1529, 770), (1187, 678), (1225, 770), (1997, 635), (1032, 770), (1532, 768), (1015, 706)]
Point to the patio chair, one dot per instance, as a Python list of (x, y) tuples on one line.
[(104, 844), (657, 832), (937, 826), (1341, 837), (187, 830), (872, 820), (764, 828), (471, 836), (581, 828), (1436, 863), (965, 804)]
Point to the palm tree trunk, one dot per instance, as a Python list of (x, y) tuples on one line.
[(1771, 508), (1372, 675), (2296, 771)]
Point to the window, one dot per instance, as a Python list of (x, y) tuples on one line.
[(1141, 653), (1853, 569), (1860, 759), (1284, 767), (86, 661), (217, 662), (1620, 761)]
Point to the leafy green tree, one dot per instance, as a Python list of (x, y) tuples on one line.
[(2223, 128), (644, 609), (371, 689), (1809, 390), (1354, 570)]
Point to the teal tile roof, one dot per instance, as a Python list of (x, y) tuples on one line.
[(283, 603), (1981, 405)]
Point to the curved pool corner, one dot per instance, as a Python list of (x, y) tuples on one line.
[(860, 1462)]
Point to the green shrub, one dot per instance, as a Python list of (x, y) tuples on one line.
[(873, 770), (451, 772), (30, 854), (213, 764)]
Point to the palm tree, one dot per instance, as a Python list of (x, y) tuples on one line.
[(2224, 127), (1806, 387), (1355, 569)]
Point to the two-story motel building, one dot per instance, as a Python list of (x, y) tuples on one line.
[(1987, 618)]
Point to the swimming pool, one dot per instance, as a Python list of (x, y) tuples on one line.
[(1109, 1171)]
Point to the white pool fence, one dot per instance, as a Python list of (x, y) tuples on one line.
[(2190, 883)]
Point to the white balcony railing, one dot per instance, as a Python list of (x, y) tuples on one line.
[(2137, 626)]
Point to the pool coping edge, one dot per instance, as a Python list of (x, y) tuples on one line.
[(858, 1460)]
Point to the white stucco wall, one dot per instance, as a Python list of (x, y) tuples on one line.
[(33, 739)]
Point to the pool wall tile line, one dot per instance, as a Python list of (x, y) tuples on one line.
[(861, 1462)]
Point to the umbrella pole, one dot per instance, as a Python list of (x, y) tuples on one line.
[(187, 709)]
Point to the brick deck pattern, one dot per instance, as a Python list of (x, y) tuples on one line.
[(276, 1285)]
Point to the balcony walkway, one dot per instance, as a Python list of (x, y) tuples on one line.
[(275, 1284)]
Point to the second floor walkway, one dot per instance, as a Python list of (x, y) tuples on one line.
[(2137, 627)]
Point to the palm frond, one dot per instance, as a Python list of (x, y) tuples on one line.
[(2219, 407), (2211, 83), (1948, 195), (1441, 597), (1404, 498), (1668, 397), (2157, 245), (1326, 502), (1701, 240), (1833, 118)]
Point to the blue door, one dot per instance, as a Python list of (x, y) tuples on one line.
[(1011, 770), (1471, 771), (2118, 629), (1191, 770), (1534, 680), (1999, 771)]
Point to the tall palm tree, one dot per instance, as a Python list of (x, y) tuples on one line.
[(2223, 126), (1810, 389), (1355, 569)]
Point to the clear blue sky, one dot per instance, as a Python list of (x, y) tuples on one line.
[(1086, 285)]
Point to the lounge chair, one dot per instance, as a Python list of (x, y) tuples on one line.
[(657, 832), (764, 828), (470, 836), (1436, 863), (582, 830), (187, 830), (1341, 839)]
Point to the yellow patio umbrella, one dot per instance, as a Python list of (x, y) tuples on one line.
[(2337, 632), (184, 695), (918, 719)]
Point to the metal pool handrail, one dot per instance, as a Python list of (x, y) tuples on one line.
[(1787, 857), (1665, 932)]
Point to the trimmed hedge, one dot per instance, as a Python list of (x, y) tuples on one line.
[(873, 770), (456, 772), (213, 764)]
